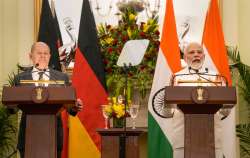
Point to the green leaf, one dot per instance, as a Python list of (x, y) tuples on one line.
[(8, 132), (243, 132)]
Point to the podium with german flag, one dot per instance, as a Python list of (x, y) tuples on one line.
[(41, 105)]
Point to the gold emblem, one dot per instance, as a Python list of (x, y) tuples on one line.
[(199, 82), (39, 93), (200, 93)]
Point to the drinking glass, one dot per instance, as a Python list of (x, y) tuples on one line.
[(105, 115), (133, 111), (120, 99)]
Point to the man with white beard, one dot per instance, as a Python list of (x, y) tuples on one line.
[(195, 74)]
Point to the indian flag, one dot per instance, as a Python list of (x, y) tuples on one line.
[(204, 26), (213, 42), (168, 62)]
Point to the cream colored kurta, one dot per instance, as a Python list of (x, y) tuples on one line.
[(178, 118)]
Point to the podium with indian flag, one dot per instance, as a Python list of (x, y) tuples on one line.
[(160, 130)]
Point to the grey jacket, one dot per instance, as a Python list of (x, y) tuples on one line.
[(54, 75)]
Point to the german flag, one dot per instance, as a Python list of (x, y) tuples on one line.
[(49, 33), (89, 80), (80, 136)]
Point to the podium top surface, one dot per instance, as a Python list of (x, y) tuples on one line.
[(214, 95), (23, 95)]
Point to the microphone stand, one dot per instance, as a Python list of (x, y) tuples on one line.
[(50, 76), (122, 139), (200, 75), (206, 73)]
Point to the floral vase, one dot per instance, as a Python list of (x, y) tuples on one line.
[(118, 122)]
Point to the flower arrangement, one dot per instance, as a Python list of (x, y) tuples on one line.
[(116, 108), (112, 40)]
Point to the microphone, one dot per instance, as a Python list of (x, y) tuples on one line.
[(200, 75), (51, 77), (186, 74), (206, 73), (36, 65), (17, 79), (206, 69), (217, 75), (40, 70)]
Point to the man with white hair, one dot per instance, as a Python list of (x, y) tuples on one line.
[(40, 57), (194, 74)]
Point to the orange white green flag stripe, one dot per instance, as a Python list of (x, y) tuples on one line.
[(168, 62), (204, 27), (213, 42)]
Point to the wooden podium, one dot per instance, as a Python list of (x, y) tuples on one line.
[(40, 105), (199, 104), (110, 142)]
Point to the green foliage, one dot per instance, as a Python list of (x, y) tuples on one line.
[(7, 132), (243, 130), (112, 40), (244, 72), (11, 79), (8, 129)]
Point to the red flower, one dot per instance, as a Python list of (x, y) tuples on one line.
[(130, 74), (119, 33), (142, 34), (147, 56), (157, 43), (115, 42), (109, 70), (142, 68), (156, 49), (105, 61), (113, 114), (157, 33), (110, 50), (124, 38), (119, 50)]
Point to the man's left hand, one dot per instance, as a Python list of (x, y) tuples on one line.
[(78, 106)]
